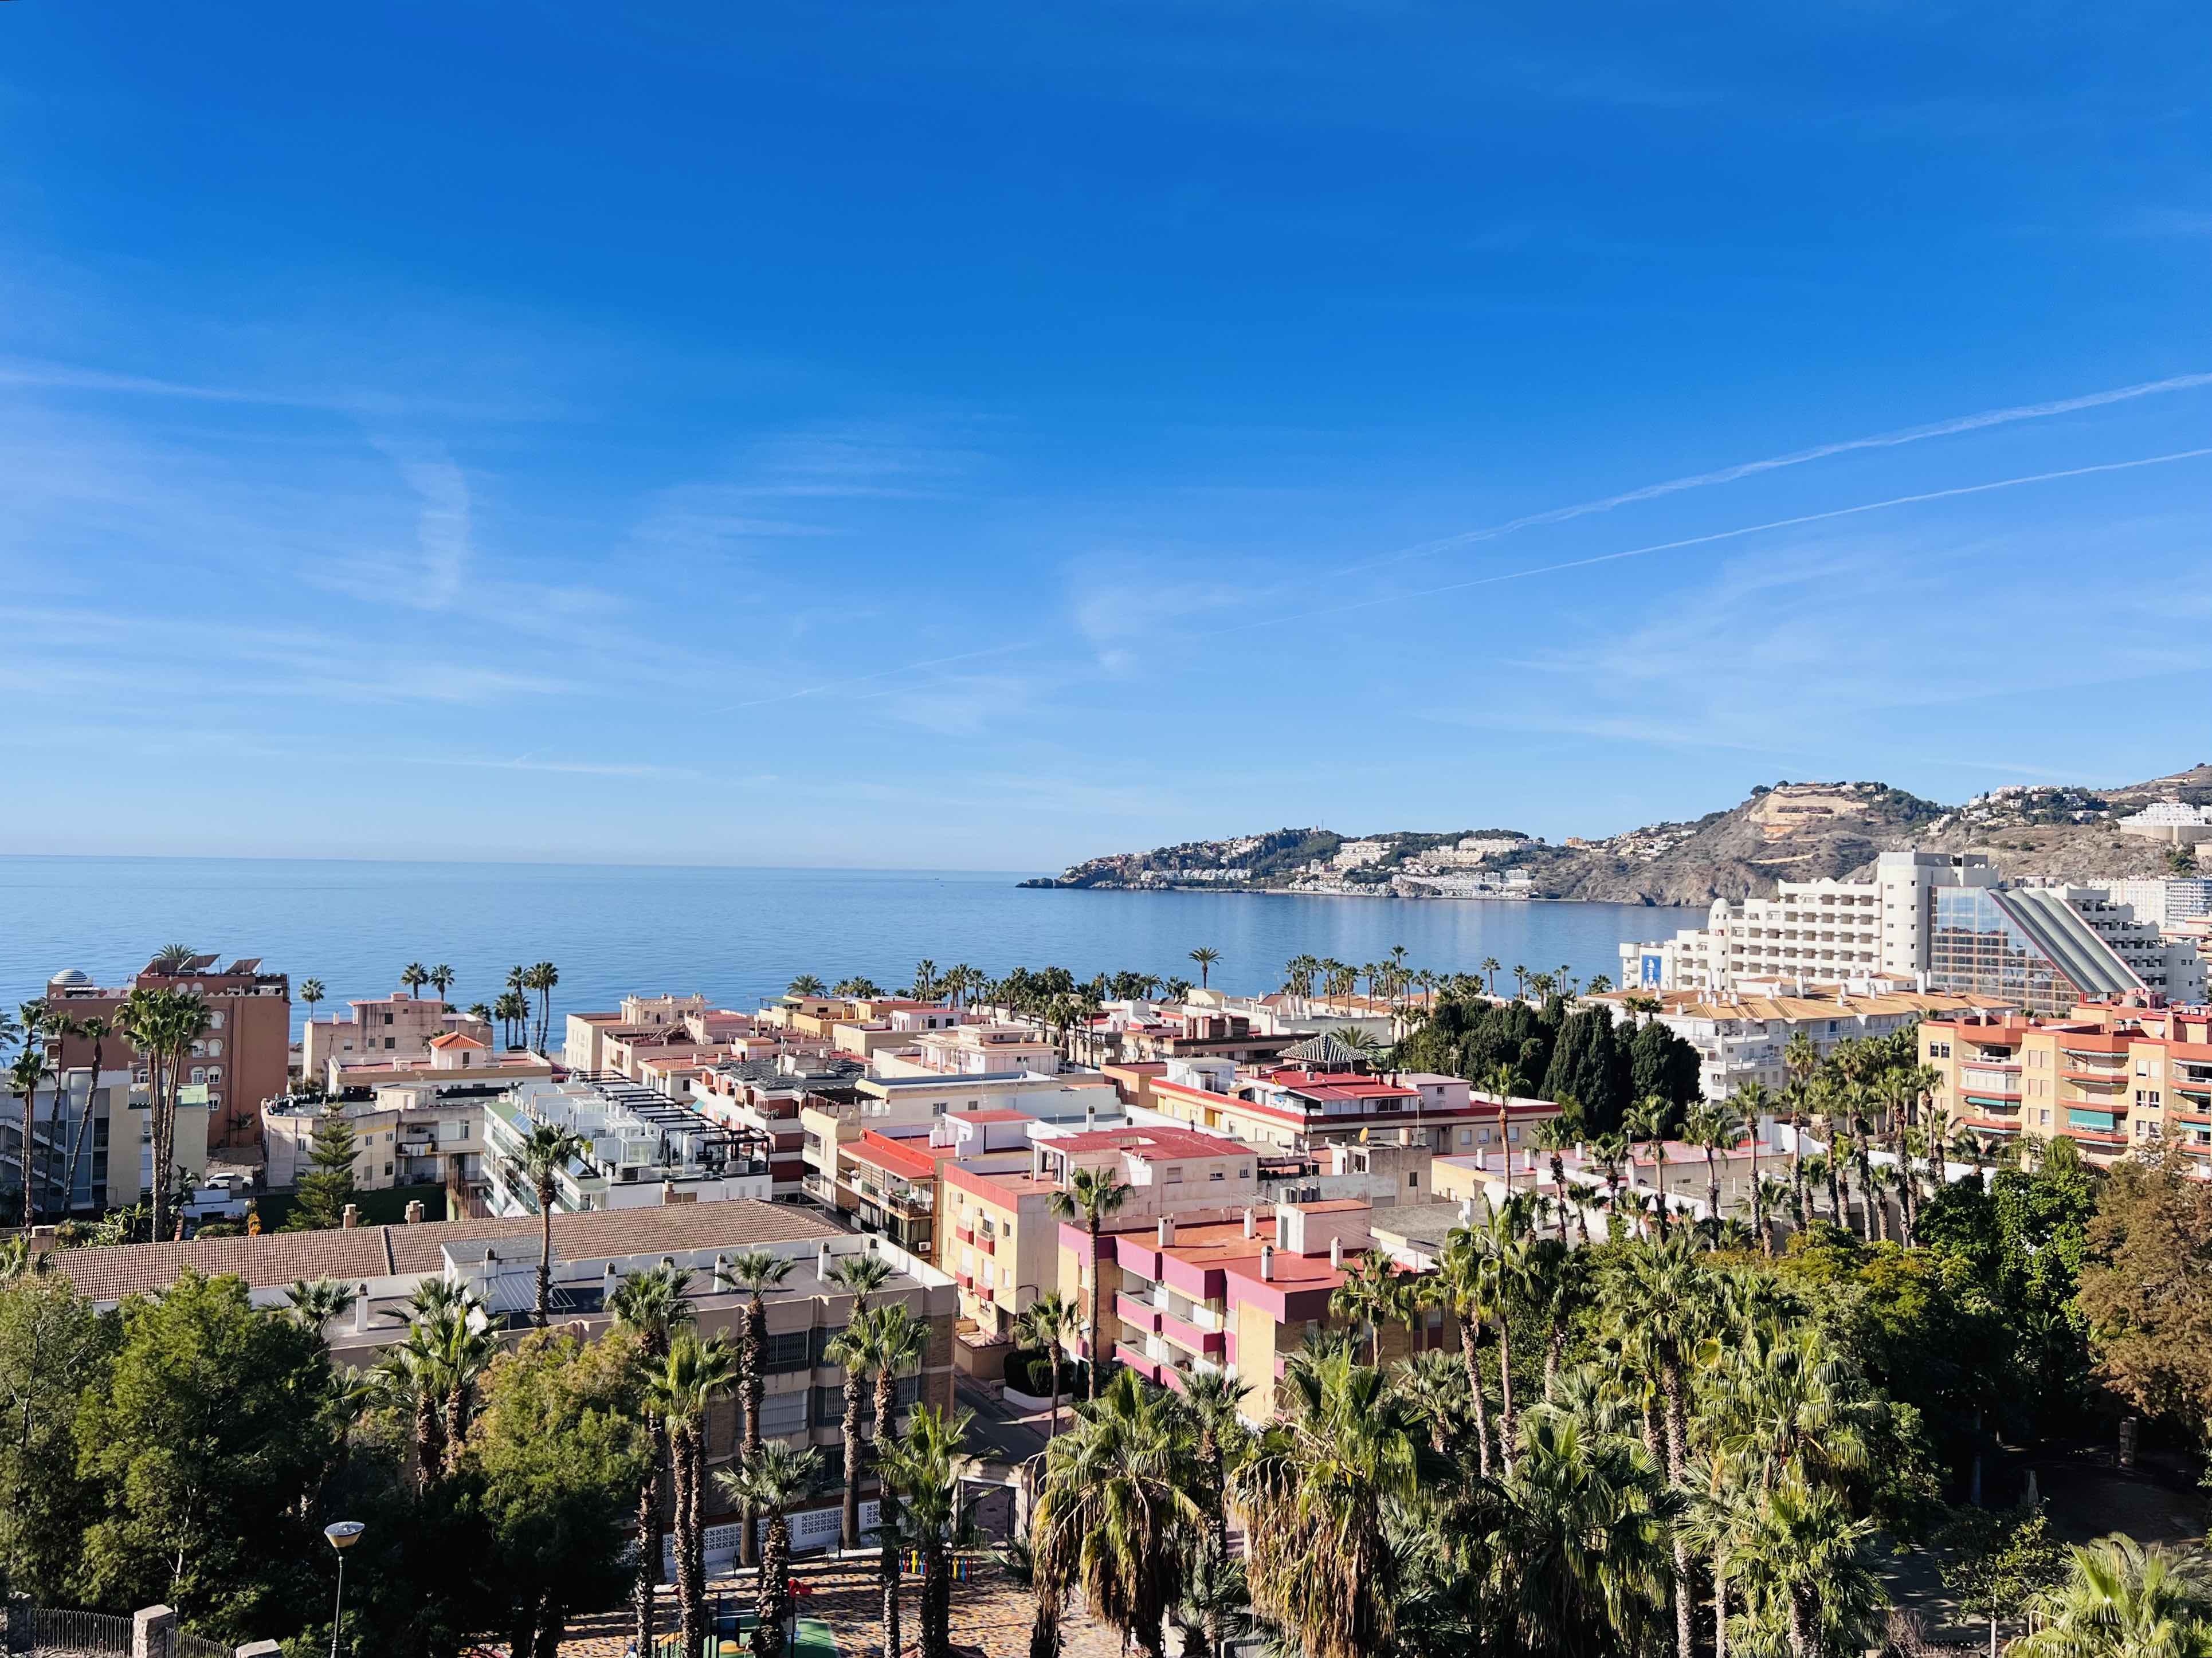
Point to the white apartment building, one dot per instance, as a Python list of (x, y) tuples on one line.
[(395, 1027), (2165, 904), (641, 1148), (2170, 822), (1832, 931), (1936, 920)]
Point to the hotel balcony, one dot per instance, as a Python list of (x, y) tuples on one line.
[(1138, 1315)]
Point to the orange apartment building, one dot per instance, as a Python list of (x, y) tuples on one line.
[(397, 1028), (244, 1058), (2112, 1077)]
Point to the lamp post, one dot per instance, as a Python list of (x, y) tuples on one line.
[(343, 1534)]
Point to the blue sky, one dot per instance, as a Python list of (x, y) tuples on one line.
[(986, 435)]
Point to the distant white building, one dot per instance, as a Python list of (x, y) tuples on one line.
[(2165, 904), (2170, 822)]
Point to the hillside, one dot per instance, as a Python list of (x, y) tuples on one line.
[(1792, 831)]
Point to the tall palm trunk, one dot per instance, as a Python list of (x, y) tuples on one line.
[(755, 1387), (773, 1603), (936, 1602), (1559, 1180), (1470, 1334), (849, 1533), (1507, 1436), (690, 1592), (1869, 1199), (545, 1253), (1835, 1178), (1671, 1388), (30, 1179), (1720, 1603), (1713, 1189), (158, 1200), (887, 1555), (643, 1591)]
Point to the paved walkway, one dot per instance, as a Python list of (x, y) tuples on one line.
[(989, 1611)]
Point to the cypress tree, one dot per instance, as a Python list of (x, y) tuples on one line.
[(327, 1186), (1589, 1062), (1661, 1063)]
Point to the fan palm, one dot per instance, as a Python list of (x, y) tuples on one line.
[(1371, 1293), (1213, 1401), (96, 1031), (1318, 1497), (679, 1393), (1713, 1127), (312, 1304), (413, 976), (651, 1306), (1045, 1323), (772, 1479), (1119, 1506), (1459, 1284), (1090, 1196), (1435, 1384), (544, 1154), (925, 1463), (1586, 1531), (756, 1271), (162, 1024), (2123, 1601), (859, 1276), (25, 1078), (894, 1340), (1801, 1564)]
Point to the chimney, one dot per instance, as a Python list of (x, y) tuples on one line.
[(821, 1260), (352, 1216), (361, 1309), (668, 1190), (608, 1279), (1167, 1231), (722, 1279), (1336, 1254), (1268, 1263), (1251, 1223), (414, 1211)]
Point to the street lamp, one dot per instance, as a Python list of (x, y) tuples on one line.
[(343, 1534)]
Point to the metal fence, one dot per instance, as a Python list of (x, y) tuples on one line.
[(79, 1634), (57, 1634)]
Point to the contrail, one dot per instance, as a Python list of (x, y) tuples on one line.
[(1942, 429), (1730, 535), (884, 674)]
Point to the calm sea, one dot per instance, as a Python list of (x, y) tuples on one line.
[(736, 934)]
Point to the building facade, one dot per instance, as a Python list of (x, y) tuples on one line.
[(397, 1027)]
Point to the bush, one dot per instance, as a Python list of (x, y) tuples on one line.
[(1030, 1372)]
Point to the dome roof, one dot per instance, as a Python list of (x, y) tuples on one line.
[(71, 975)]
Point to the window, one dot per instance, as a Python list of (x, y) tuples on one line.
[(214, 1048), (1217, 1175), (214, 1021), (199, 1073), (786, 1414), (391, 1041), (1174, 1177), (387, 1168), (388, 1019), (1414, 1181), (794, 1350)]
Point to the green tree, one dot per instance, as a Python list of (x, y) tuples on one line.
[(925, 1464), (52, 1347), (1044, 1324), (1587, 1062), (538, 1167), (651, 1306), (1661, 1063), (208, 1438), (1997, 1563), (1206, 956), (756, 1271), (327, 1188), (861, 1275), (555, 1459)]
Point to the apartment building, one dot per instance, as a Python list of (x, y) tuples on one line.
[(890, 1183), (2112, 1077), (1244, 1294), (1293, 1107), (769, 1097), (497, 1259), (1741, 1034), (244, 1058), (452, 1060), (424, 1132), (642, 1149), (969, 1050), (1938, 922), (2169, 905), (104, 1120), (397, 1027)]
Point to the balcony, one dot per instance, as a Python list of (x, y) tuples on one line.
[(1138, 1315)]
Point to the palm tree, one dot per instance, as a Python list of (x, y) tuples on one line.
[(1370, 1294), (1555, 1136), (1206, 956), (926, 981), (162, 1024), (1802, 1563), (1489, 970), (1090, 1195), (1752, 1101), (1802, 1060), (895, 1340), (651, 1306), (312, 1304), (806, 984), (1118, 1510), (440, 979), (1503, 1082), (2123, 1601), (170, 958), (771, 1481), (1044, 1324), (413, 976), (1502, 1276), (1713, 1128), (1458, 1285), (1646, 1120), (25, 1078), (859, 1276), (756, 1271), (548, 1151), (925, 1463), (1214, 1400), (1660, 1300), (1316, 1497), (543, 978), (1435, 1384), (679, 1393), (512, 1010), (311, 992)]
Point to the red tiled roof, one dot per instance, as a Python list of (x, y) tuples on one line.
[(899, 1159), (1157, 1142), (364, 1252)]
